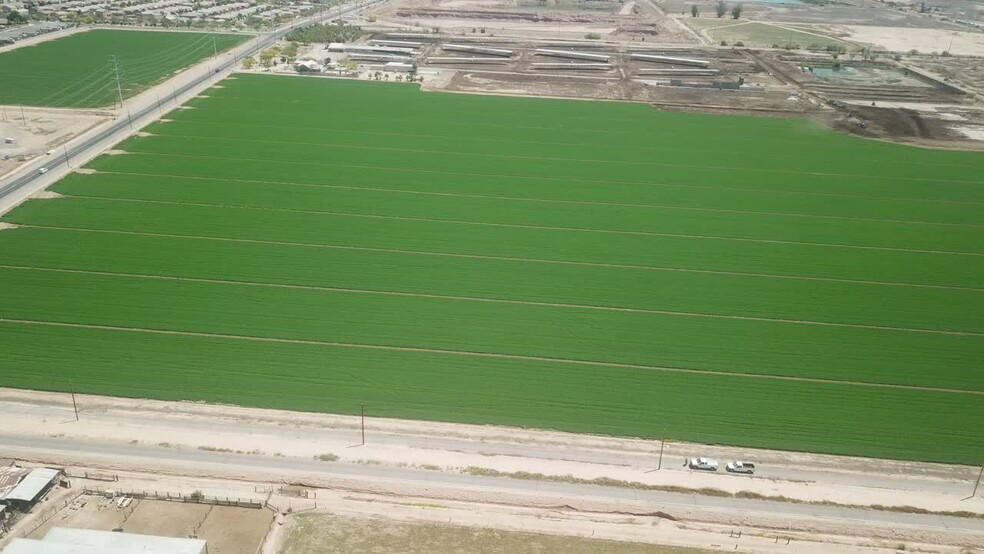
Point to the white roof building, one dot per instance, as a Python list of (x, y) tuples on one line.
[(61, 540)]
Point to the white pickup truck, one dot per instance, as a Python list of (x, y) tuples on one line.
[(701, 463), (740, 467)]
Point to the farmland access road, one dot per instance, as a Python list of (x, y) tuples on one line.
[(432, 460), (143, 109)]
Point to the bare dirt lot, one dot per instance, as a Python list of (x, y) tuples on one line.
[(320, 533), (36, 131), (228, 530), (897, 39), (631, 20)]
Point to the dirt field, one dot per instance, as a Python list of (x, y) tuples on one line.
[(228, 530), (926, 41), (328, 534), (38, 130)]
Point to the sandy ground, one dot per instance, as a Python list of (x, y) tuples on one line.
[(227, 529), (37, 130), (897, 39), (227, 451)]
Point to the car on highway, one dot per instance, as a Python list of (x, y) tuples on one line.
[(43, 170), (740, 467), (706, 464)]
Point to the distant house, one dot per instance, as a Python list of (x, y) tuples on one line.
[(308, 66)]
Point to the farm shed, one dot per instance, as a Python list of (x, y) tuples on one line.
[(29, 488), (61, 540)]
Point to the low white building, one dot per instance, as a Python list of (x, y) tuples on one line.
[(61, 540)]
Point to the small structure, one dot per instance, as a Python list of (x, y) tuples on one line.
[(31, 485), (399, 67), (396, 43), (308, 66), (367, 49), (61, 540)]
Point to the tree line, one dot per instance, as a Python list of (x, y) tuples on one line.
[(319, 32)]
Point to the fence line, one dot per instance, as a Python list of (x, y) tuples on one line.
[(179, 497), (48, 513)]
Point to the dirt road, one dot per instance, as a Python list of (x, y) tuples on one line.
[(454, 462)]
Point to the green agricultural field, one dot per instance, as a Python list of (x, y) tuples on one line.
[(77, 71), (755, 33), (592, 267)]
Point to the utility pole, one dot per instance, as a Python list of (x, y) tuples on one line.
[(159, 108), (119, 87), (74, 405), (215, 50), (24, 117), (68, 163), (979, 475), (662, 443)]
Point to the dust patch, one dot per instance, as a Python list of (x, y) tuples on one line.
[(188, 107), (5, 225), (86, 171), (115, 152), (46, 195), (217, 86), (971, 132), (165, 120), (144, 134), (203, 96)]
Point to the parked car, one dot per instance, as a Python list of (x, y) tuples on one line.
[(43, 170), (740, 467), (706, 464)]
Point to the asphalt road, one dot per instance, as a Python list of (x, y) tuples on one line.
[(137, 454)]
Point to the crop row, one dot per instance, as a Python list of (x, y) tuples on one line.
[(831, 418), (600, 286), (550, 245), (644, 339)]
